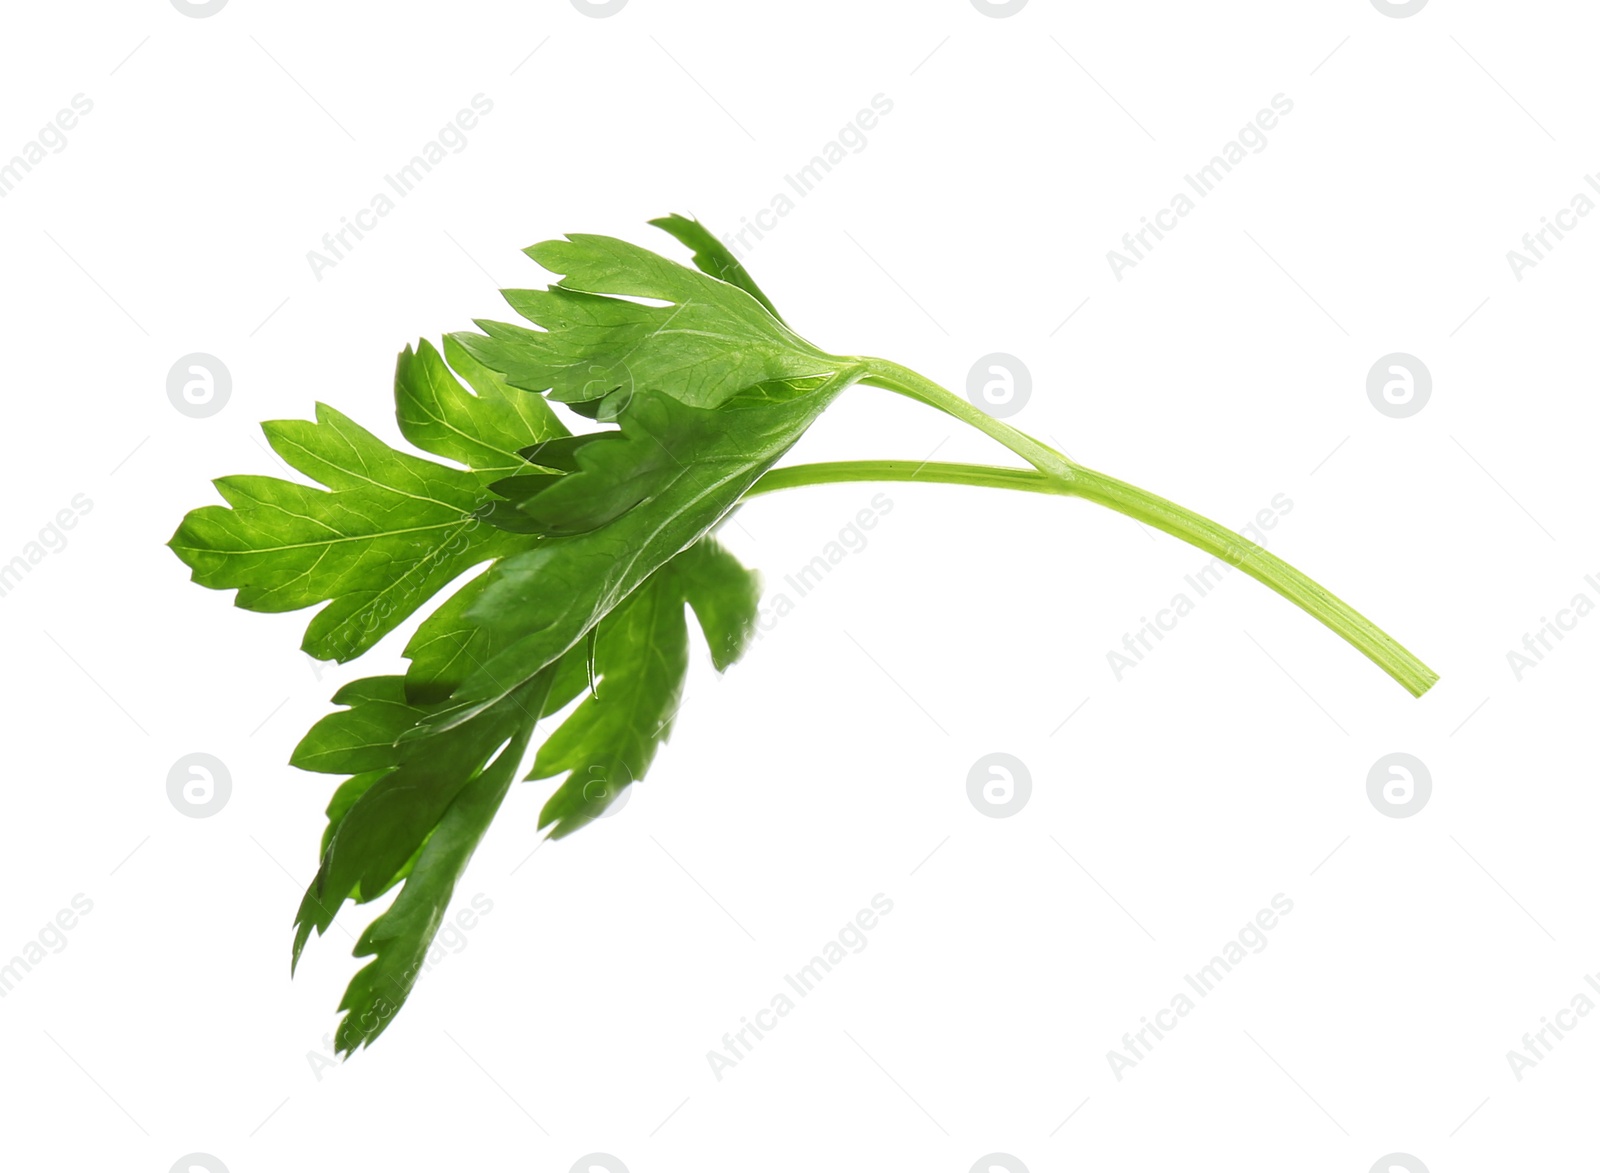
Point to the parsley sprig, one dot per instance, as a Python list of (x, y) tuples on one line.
[(594, 549)]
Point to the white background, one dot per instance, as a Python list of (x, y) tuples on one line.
[(1227, 367)]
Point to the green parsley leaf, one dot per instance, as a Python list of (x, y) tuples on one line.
[(694, 466), (641, 660), (592, 549), (388, 532), (398, 940), (706, 344), (712, 256)]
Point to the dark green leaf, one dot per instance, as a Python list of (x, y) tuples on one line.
[(610, 739), (537, 604), (392, 816), (398, 940), (725, 595)]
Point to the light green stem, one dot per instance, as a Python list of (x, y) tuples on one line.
[(907, 382), (1217, 540)]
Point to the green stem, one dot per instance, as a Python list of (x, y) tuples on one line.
[(1217, 540), (845, 471), (907, 382)]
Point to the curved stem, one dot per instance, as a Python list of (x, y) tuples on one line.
[(907, 382), (842, 471), (1217, 540)]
